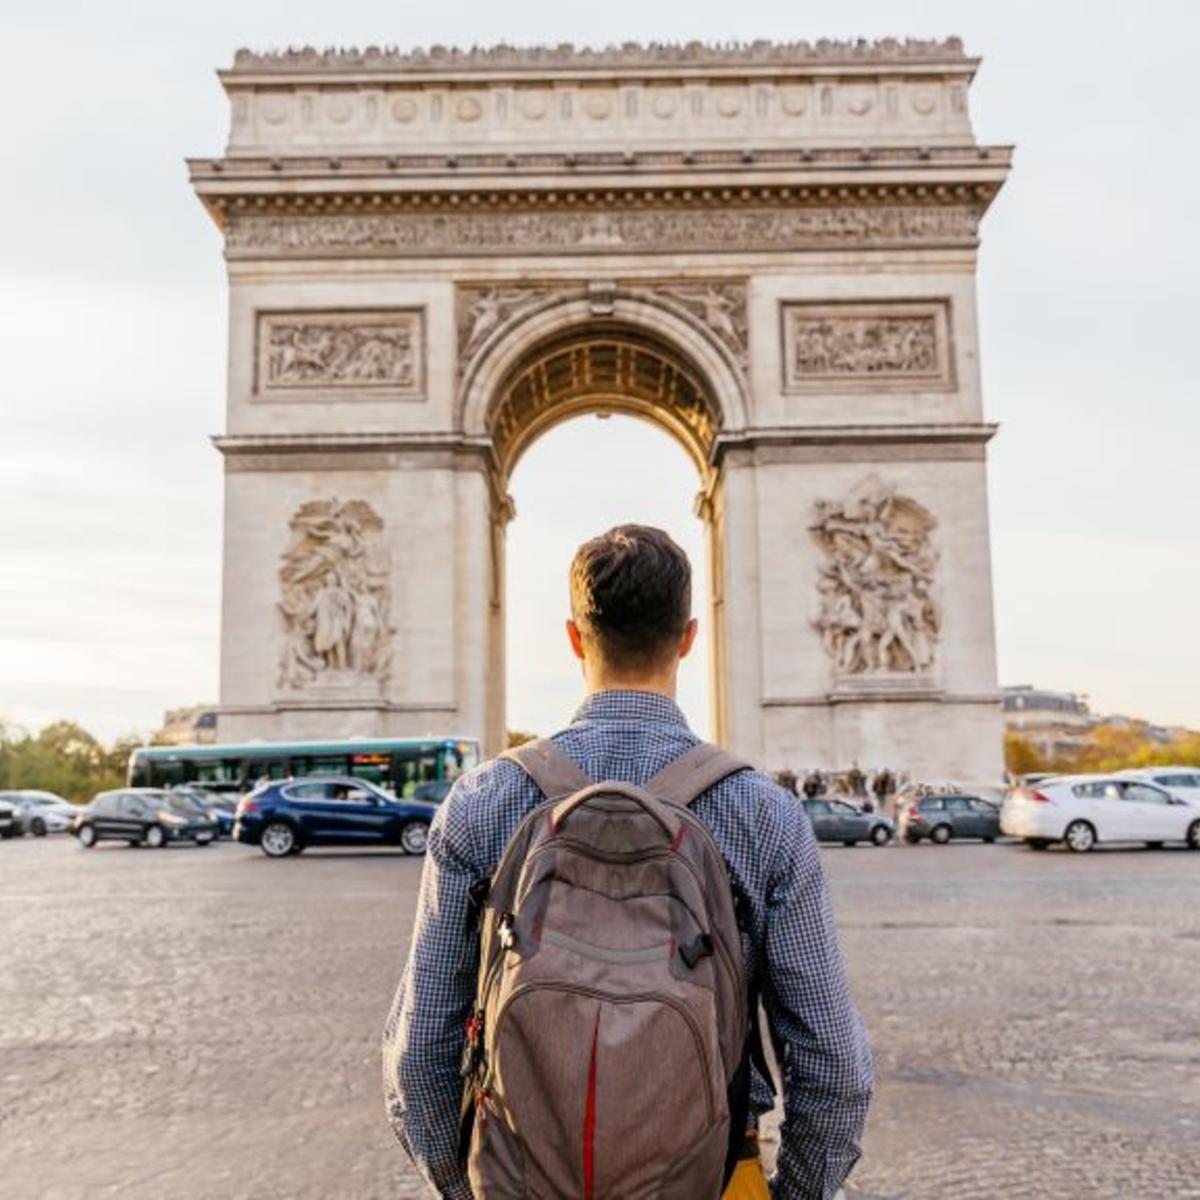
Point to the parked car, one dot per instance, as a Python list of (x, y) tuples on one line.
[(836, 820), (1082, 810), (9, 823), (289, 815), (1182, 782), (221, 805), (144, 817), (39, 813), (940, 818)]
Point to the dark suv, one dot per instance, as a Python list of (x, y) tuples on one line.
[(329, 810), (144, 817), (940, 818)]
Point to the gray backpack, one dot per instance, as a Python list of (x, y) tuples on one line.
[(607, 1057)]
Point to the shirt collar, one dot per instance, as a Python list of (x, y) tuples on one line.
[(620, 704)]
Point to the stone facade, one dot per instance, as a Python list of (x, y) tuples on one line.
[(769, 249)]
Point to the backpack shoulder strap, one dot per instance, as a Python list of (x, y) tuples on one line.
[(552, 769), (693, 773)]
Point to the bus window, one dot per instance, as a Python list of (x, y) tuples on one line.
[(371, 766), (408, 772), (216, 770)]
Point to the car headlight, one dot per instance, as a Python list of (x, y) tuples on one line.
[(168, 818)]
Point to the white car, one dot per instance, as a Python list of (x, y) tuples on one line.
[(40, 813), (1182, 782), (1082, 810)]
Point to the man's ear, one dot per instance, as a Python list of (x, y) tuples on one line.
[(575, 638), (689, 637)]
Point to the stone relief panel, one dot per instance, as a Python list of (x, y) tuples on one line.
[(395, 234), (856, 347), (335, 599), (375, 352), (878, 614), (719, 304)]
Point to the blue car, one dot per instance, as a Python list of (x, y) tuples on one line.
[(286, 816)]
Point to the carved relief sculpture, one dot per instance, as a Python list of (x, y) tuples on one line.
[(853, 345), (722, 307), (335, 598), (878, 614), (482, 310), (376, 351)]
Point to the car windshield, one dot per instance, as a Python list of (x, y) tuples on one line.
[(180, 802)]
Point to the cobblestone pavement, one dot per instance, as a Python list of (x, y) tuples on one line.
[(188, 1024)]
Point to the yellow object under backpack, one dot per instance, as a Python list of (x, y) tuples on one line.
[(749, 1182)]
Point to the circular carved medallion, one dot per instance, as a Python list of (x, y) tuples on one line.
[(924, 103), (468, 109), (664, 105), (794, 101), (598, 106), (275, 110), (339, 110), (534, 106), (729, 104), (404, 109)]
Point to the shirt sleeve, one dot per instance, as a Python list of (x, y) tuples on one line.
[(826, 1058), (426, 1028)]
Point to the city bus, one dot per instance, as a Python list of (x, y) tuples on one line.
[(400, 765)]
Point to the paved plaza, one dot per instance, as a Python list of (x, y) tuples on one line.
[(205, 1023)]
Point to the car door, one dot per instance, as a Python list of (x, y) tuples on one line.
[(821, 818), (1157, 819), (848, 822), (988, 818), (962, 817)]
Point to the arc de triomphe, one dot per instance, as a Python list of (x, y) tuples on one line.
[(768, 249)]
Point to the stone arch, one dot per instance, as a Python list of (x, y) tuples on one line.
[(570, 355)]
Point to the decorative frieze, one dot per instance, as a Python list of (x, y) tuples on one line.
[(852, 346), (373, 352), (335, 599), (600, 230), (878, 615)]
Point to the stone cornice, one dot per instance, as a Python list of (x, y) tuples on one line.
[(607, 59), (525, 168), (890, 443), (234, 444)]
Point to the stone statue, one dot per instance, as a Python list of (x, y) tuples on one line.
[(877, 610), (335, 598)]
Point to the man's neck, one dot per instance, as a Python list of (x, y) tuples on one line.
[(612, 683)]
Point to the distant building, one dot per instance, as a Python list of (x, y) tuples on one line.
[(1055, 723), (188, 726)]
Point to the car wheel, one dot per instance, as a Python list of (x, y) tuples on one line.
[(154, 837), (414, 837), (1154, 845), (87, 836), (989, 841), (880, 835), (278, 840), (1080, 836), (1037, 843), (37, 827), (940, 834), (1193, 836)]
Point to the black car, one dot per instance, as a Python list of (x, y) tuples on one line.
[(284, 817), (144, 817), (9, 821), (836, 821), (940, 818)]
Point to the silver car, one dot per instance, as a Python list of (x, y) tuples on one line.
[(835, 820), (39, 813)]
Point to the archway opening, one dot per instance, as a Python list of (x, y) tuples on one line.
[(570, 476), (577, 479)]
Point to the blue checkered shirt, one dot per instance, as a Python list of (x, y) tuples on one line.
[(790, 948)]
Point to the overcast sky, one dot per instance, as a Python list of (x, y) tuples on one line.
[(112, 335)]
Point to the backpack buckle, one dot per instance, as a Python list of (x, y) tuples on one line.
[(700, 947), (505, 932)]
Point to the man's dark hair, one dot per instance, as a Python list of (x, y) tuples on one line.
[(631, 595)]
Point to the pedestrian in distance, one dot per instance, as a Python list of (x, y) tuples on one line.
[(601, 915)]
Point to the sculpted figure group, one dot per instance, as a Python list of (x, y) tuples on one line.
[(335, 596), (878, 613), (308, 353), (865, 346)]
